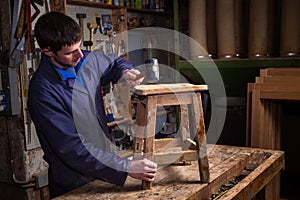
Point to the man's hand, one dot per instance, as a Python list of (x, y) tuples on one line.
[(133, 77), (143, 169)]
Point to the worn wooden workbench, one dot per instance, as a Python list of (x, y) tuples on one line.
[(254, 167)]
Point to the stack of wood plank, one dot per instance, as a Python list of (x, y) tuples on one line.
[(264, 105), (264, 111)]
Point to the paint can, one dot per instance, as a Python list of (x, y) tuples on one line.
[(152, 70)]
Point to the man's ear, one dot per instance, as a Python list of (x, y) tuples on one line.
[(47, 52)]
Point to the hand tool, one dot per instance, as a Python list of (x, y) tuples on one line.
[(91, 27), (80, 17), (88, 45)]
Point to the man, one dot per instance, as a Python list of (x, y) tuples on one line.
[(66, 106)]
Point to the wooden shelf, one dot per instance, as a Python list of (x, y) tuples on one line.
[(147, 11), (93, 4), (234, 73), (108, 6), (241, 62)]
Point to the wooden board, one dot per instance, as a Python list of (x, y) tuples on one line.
[(286, 71), (182, 182)]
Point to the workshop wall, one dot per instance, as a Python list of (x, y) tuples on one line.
[(91, 14)]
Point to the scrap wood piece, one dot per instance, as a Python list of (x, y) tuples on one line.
[(279, 95), (282, 71), (250, 87), (278, 79), (284, 86)]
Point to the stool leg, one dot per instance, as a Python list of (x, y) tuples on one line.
[(144, 138), (201, 138), (185, 125), (185, 129), (149, 133), (138, 139)]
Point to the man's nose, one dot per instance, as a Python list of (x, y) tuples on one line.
[(79, 53)]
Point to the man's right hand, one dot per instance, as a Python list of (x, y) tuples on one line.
[(143, 169)]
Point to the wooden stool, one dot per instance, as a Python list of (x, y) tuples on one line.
[(180, 149)]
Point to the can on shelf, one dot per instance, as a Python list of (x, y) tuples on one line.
[(152, 70), (109, 2)]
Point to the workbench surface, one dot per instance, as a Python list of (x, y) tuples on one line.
[(177, 181)]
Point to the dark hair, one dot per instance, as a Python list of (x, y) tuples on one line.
[(54, 30)]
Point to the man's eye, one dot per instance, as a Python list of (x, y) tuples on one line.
[(72, 53)]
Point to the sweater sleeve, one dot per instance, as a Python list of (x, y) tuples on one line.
[(111, 67)]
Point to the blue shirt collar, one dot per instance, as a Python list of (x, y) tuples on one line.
[(70, 72)]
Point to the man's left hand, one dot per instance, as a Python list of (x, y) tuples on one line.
[(133, 77)]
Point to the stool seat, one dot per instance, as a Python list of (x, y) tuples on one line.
[(168, 88), (189, 144)]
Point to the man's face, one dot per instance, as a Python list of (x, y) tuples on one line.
[(67, 56)]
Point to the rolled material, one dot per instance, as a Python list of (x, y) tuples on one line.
[(197, 28), (290, 28), (262, 28), (258, 23), (225, 28), (240, 13), (211, 35)]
